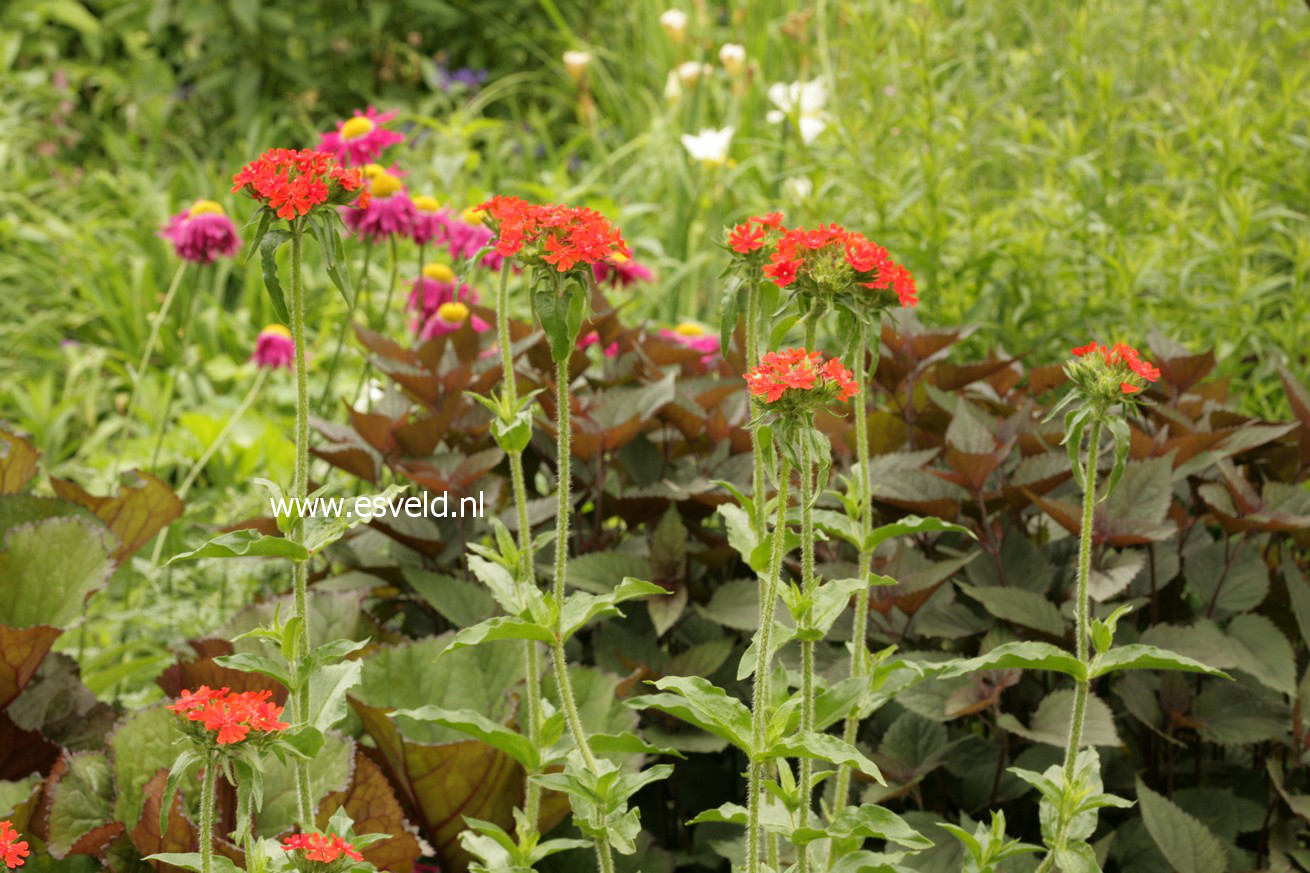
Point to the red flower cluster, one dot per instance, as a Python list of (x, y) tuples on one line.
[(294, 182), (827, 252), (324, 848), (232, 716), (798, 370), (1122, 355), (12, 849), (749, 235), (561, 236)]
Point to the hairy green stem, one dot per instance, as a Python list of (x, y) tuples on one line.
[(1084, 571), (207, 802), (346, 322), (760, 519), (859, 646), (808, 583), (763, 657), (532, 669), (1081, 641), (300, 487)]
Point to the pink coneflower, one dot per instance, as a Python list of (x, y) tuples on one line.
[(361, 139), (466, 235), (620, 271), (448, 318), (428, 223), (274, 348), (202, 233), (389, 212), (692, 336), (593, 338), (436, 286)]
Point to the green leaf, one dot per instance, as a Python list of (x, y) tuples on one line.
[(698, 701), (184, 761), (328, 687), (268, 247), (1186, 844), (192, 861), (825, 747), (1018, 656), (870, 821), (142, 744), (504, 627), (246, 543), (250, 663), (1050, 723), (322, 531), (1256, 646), (50, 567), (1018, 606), (627, 743), (581, 607), (909, 526), (329, 242), (1138, 657), (561, 317), (79, 801), (730, 312), (478, 726)]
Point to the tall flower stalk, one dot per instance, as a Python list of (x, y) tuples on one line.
[(302, 189), (788, 387), (558, 245), (1106, 384)]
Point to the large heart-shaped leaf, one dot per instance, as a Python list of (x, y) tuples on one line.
[(135, 514), (50, 567)]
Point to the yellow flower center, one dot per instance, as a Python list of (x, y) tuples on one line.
[(384, 184), (619, 258), (356, 127), (277, 330), (371, 170), (424, 203), (472, 215), (205, 207), (439, 272), (689, 328), (453, 312)]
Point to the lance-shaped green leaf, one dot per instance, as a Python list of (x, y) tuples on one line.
[(502, 627), (815, 615), (1187, 844), (262, 664), (192, 861), (268, 246), (246, 543), (910, 526), (322, 531), (698, 701), (1139, 657), (627, 743), (867, 821), (824, 747), (478, 726), (1018, 656), (581, 607), (329, 242)]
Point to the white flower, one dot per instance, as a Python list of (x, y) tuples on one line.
[(802, 103), (674, 22), (689, 72), (576, 63), (733, 57), (672, 87), (710, 146), (798, 188)]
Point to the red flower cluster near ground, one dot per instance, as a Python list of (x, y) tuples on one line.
[(1122, 355), (796, 370), (561, 236), (12, 849), (324, 848), (232, 716), (822, 252), (293, 182)]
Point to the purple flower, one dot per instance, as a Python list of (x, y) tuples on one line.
[(202, 233), (429, 224), (274, 348), (389, 212), (362, 138), (692, 336), (620, 272)]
